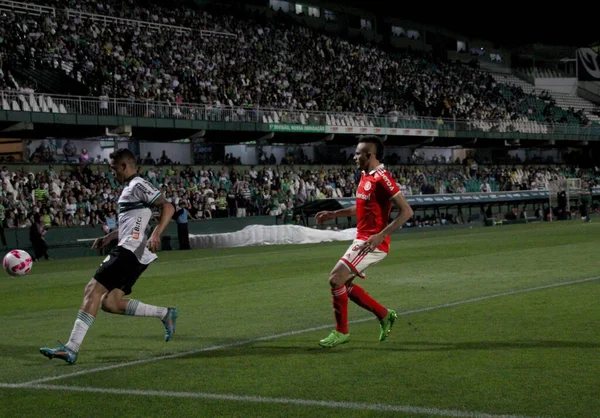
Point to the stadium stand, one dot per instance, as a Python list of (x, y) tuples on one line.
[(192, 63), (86, 194), (119, 50)]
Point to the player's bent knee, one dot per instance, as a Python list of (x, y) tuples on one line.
[(109, 304), (338, 279), (92, 289), (340, 275)]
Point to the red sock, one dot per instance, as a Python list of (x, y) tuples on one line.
[(358, 295), (340, 309)]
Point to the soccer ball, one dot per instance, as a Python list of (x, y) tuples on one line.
[(17, 263)]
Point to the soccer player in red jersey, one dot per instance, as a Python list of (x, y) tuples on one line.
[(376, 193)]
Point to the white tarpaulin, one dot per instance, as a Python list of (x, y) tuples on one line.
[(270, 235)]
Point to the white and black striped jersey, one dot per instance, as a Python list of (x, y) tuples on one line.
[(135, 211)]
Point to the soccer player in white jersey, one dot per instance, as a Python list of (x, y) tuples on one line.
[(119, 271), (376, 193)]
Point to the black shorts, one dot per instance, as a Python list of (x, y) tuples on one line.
[(120, 270)]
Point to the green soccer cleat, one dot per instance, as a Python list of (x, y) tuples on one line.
[(387, 323), (169, 323), (335, 338), (62, 352)]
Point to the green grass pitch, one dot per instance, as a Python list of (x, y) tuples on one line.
[(494, 322)]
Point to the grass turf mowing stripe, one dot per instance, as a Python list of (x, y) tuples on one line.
[(357, 406), (291, 333)]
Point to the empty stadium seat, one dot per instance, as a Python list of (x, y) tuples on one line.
[(25, 106), (33, 104)]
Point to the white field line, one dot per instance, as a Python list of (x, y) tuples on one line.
[(290, 333), (357, 406)]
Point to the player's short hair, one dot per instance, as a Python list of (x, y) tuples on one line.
[(374, 139), (123, 155)]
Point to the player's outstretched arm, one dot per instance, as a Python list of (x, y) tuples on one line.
[(326, 215), (166, 214), (105, 240)]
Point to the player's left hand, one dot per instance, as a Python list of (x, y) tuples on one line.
[(373, 242), (153, 243)]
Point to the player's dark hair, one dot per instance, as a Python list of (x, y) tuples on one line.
[(123, 154), (374, 139)]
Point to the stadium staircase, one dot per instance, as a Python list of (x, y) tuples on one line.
[(563, 101), (52, 81)]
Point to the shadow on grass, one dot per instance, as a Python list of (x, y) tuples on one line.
[(258, 349), (30, 357)]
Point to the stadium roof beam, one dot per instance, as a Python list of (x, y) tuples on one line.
[(550, 143), (199, 134), (263, 140), (20, 126), (121, 130)]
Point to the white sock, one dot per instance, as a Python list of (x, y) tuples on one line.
[(83, 322), (137, 308)]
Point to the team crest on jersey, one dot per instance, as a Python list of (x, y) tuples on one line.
[(367, 186)]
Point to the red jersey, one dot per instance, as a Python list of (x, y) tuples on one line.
[(373, 204)]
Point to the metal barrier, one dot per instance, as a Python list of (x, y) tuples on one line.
[(26, 8), (189, 111), (37, 10), (144, 24)]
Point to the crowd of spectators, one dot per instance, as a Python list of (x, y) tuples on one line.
[(87, 195), (272, 63)]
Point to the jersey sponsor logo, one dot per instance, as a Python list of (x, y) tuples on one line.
[(387, 181), (137, 228), (363, 196), (367, 186), (143, 189)]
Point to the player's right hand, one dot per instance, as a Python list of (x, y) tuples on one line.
[(324, 216)]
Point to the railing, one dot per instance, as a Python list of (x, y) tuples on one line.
[(143, 24), (27, 8), (189, 111), (36, 10)]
